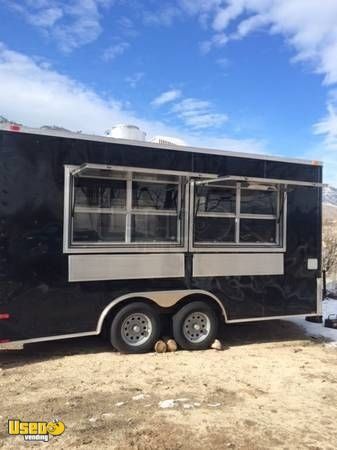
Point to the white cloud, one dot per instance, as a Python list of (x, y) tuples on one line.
[(33, 93), (166, 97), (134, 79), (165, 16), (224, 63), (191, 105), (70, 23), (115, 50), (194, 113), (199, 6), (198, 114), (46, 17), (309, 26), (327, 127), (126, 27)]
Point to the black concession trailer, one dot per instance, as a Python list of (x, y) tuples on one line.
[(124, 236)]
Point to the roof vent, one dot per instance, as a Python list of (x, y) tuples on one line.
[(167, 140), (125, 131)]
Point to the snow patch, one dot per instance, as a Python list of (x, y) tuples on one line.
[(318, 330)]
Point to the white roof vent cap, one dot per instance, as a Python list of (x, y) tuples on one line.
[(127, 131)]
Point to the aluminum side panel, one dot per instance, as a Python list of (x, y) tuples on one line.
[(220, 264), (124, 267)]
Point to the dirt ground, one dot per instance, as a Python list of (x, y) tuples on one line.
[(271, 387)]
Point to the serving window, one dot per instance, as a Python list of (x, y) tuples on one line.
[(111, 208), (237, 215)]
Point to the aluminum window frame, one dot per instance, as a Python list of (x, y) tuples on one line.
[(182, 180), (236, 246)]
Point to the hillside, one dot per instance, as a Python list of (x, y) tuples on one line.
[(330, 203)]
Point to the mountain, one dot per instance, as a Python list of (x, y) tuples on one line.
[(330, 203), (330, 195)]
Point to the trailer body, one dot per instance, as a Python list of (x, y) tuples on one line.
[(87, 223)]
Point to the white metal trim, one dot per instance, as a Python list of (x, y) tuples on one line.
[(260, 180), (319, 296), (209, 151), (66, 211), (260, 319), (76, 170), (151, 296), (51, 338), (123, 247), (237, 246)]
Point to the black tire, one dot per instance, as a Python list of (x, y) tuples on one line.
[(123, 338), (208, 315)]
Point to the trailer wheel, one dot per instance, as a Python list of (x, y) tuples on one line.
[(135, 328), (195, 326)]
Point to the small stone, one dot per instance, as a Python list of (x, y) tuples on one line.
[(216, 345), (166, 404), (160, 347), (171, 345), (138, 397), (107, 416), (187, 406)]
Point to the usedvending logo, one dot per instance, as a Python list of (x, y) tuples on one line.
[(35, 431)]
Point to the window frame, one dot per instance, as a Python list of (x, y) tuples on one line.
[(131, 174), (187, 180), (237, 246)]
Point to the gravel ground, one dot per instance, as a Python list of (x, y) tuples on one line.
[(271, 387)]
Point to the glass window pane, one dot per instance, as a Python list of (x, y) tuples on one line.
[(257, 230), (162, 196), (92, 227), (100, 193), (214, 229), (215, 199), (258, 202), (152, 228)]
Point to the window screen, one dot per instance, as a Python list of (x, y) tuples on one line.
[(255, 201), (257, 230), (216, 199), (236, 215), (158, 196), (214, 229), (100, 193), (128, 210)]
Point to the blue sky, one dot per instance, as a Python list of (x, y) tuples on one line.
[(248, 75)]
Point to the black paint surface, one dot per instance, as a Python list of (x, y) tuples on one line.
[(34, 285)]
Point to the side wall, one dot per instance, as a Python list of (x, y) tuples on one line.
[(34, 287)]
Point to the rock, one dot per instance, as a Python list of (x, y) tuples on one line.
[(160, 347), (138, 397), (171, 345), (107, 416), (187, 406), (216, 345), (167, 404)]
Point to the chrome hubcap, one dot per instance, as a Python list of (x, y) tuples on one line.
[(136, 329), (196, 327)]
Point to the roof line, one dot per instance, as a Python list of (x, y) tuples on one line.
[(203, 150)]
